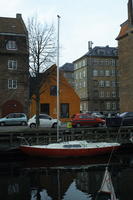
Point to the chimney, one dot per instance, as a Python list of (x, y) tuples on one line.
[(90, 43), (18, 16), (130, 12)]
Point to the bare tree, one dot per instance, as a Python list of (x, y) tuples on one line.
[(42, 51)]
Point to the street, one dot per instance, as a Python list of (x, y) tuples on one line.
[(12, 128)]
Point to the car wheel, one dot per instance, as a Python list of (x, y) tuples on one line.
[(54, 125), (23, 123), (32, 125), (2, 123)]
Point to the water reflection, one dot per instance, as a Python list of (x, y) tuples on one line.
[(70, 179)]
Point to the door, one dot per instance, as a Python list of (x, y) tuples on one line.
[(45, 121)]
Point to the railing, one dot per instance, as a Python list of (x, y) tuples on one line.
[(47, 135)]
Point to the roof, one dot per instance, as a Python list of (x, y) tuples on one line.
[(12, 25), (123, 30), (100, 51), (41, 79), (69, 67)]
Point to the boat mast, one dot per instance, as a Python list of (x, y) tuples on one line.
[(58, 104)]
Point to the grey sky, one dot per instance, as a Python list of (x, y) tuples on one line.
[(81, 21)]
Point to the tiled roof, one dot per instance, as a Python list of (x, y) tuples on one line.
[(123, 31), (12, 25)]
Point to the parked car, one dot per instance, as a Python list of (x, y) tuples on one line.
[(14, 119), (82, 119), (45, 121), (98, 114), (123, 119)]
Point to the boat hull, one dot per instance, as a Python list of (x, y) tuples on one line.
[(62, 153)]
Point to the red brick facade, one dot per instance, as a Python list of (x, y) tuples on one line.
[(14, 66), (125, 50)]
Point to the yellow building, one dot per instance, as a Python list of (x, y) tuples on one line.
[(69, 100)]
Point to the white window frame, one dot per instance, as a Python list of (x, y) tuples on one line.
[(84, 73), (108, 105), (101, 83), (80, 75), (11, 45), (101, 94), (95, 72), (114, 106), (107, 72), (12, 64), (12, 84), (107, 83)]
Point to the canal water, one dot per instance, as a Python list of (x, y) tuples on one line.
[(67, 179)]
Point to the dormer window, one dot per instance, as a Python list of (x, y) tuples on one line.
[(101, 52), (11, 45)]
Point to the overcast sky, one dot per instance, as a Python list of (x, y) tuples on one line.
[(81, 21)]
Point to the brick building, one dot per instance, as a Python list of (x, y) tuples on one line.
[(96, 80), (125, 51), (14, 66)]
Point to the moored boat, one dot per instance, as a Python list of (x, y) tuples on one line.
[(69, 149)]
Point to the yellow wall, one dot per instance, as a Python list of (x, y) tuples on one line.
[(67, 95)]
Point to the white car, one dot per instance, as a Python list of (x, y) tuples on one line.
[(45, 121)]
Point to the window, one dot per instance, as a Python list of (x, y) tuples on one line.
[(76, 75), (107, 94), (64, 110), (53, 90), (107, 73), (80, 75), (106, 61), (12, 84), (101, 93), (11, 45), (113, 93), (112, 62), (45, 108), (12, 64), (43, 116), (114, 106), (84, 73), (107, 83), (84, 84), (108, 105), (113, 84), (84, 62), (101, 72), (95, 72), (113, 72), (101, 83)]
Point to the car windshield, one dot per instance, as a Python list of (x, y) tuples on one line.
[(123, 114)]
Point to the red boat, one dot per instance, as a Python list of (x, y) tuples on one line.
[(69, 149)]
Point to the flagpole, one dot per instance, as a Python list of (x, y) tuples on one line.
[(58, 55)]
